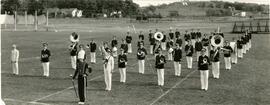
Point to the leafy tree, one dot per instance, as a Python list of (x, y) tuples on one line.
[(10, 6)]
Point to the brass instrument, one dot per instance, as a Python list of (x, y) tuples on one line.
[(158, 36), (217, 41)]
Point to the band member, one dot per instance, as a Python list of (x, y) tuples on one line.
[(249, 37), (214, 55), (171, 34), (81, 71), (160, 61), (177, 56), (114, 44), (92, 46), (203, 63), (189, 52), (187, 37), (122, 63), (227, 55), (234, 53), (152, 42), (128, 40), (169, 46), (73, 54), (177, 33), (163, 41), (198, 48), (205, 43), (14, 59), (108, 66), (141, 58), (124, 46), (179, 41), (244, 44), (240, 48), (45, 55), (141, 36), (198, 34), (193, 37)]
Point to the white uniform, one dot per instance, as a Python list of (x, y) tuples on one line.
[(14, 59), (108, 67), (234, 54)]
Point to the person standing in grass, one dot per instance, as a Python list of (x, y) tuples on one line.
[(92, 46), (122, 63), (129, 40), (177, 56), (108, 66), (14, 60), (160, 61), (45, 59), (203, 64)]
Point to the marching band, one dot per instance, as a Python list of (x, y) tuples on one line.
[(158, 43)]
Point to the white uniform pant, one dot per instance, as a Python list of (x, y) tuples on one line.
[(227, 62), (93, 57), (215, 69), (129, 48), (170, 57), (234, 57), (73, 62), (245, 49), (193, 41), (204, 79), (163, 45), (108, 77), (46, 68), (15, 67), (160, 74), (198, 53), (122, 72), (141, 66), (240, 53), (189, 62), (177, 68), (151, 49)]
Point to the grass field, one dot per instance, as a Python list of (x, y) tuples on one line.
[(246, 84)]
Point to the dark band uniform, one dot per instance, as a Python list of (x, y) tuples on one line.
[(198, 34), (141, 36), (189, 50), (45, 55), (125, 47), (81, 70), (177, 34), (193, 35), (171, 35), (187, 37), (179, 41), (177, 55), (164, 38), (74, 50), (114, 43), (122, 57), (198, 46), (141, 57), (169, 44), (227, 53), (128, 39), (139, 43), (216, 58), (92, 46), (201, 65), (159, 64), (205, 42)]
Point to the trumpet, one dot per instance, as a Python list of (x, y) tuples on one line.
[(204, 61), (122, 60), (141, 53), (72, 46), (161, 61)]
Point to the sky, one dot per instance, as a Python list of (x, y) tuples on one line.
[(157, 2)]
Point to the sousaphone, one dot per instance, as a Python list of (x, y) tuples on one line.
[(158, 36)]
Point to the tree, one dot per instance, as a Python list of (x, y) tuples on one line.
[(34, 5), (10, 6)]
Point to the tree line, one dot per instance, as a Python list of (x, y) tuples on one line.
[(89, 7)]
